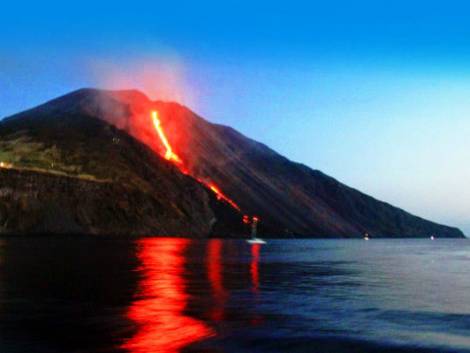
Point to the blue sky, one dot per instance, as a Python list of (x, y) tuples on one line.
[(372, 93)]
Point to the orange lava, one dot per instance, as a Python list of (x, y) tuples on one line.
[(222, 196), (173, 157), (169, 154)]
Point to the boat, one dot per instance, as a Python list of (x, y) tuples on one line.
[(432, 237), (366, 236), (254, 239)]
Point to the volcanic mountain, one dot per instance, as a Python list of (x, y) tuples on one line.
[(116, 162), (64, 171)]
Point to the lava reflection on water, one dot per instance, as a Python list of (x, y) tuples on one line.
[(254, 270), (159, 308), (215, 276)]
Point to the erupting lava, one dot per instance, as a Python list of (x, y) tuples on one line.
[(222, 196), (173, 157), (169, 154)]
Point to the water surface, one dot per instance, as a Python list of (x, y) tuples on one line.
[(179, 295)]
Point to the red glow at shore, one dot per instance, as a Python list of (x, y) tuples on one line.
[(162, 300)]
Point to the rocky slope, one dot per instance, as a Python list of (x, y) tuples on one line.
[(68, 172), (289, 197)]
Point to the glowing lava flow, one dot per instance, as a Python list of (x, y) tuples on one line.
[(169, 154), (220, 196), (173, 157)]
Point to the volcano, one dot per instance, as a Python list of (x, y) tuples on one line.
[(100, 164), (65, 171)]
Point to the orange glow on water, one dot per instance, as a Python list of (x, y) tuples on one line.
[(159, 310), (255, 280), (215, 276), (254, 270)]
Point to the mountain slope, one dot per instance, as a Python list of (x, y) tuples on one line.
[(69, 172), (289, 197)]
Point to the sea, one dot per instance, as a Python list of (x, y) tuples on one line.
[(152, 294)]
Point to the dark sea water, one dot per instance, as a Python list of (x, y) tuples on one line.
[(179, 295)]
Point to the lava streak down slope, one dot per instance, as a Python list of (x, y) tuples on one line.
[(289, 197), (174, 158)]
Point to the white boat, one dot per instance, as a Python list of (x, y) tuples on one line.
[(432, 237), (254, 239), (366, 236)]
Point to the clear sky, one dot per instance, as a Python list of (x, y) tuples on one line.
[(374, 93)]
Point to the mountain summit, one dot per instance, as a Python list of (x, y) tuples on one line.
[(108, 137)]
